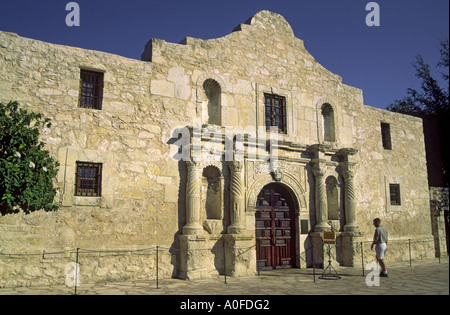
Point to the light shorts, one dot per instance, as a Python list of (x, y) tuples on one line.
[(380, 249)]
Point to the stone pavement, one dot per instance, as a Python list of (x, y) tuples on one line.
[(423, 277)]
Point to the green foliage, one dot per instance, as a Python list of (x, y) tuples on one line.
[(26, 169)]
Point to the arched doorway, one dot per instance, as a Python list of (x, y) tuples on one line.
[(275, 228)]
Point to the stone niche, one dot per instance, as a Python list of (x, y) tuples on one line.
[(334, 200), (213, 104), (212, 200)]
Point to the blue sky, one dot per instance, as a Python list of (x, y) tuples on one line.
[(375, 59)]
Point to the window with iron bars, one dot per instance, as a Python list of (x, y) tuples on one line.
[(88, 181), (394, 190), (275, 112), (386, 136), (91, 89)]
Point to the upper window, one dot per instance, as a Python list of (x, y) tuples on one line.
[(394, 191), (386, 136), (276, 112), (88, 179), (91, 89)]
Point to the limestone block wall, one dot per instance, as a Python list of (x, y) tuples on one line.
[(139, 202), (405, 164)]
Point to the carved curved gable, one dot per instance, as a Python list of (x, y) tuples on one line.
[(268, 22)]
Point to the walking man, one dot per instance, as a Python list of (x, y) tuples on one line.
[(380, 240)]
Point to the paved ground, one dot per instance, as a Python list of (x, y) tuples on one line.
[(423, 277)]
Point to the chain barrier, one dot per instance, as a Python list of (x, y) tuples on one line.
[(409, 242), (157, 251)]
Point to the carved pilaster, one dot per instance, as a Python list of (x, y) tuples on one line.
[(347, 171), (193, 200), (237, 210), (350, 200)]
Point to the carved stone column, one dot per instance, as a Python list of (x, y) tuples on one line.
[(320, 198), (193, 200), (350, 201), (351, 237), (319, 169), (237, 204)]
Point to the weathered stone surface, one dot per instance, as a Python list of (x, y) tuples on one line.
[(146, 198)]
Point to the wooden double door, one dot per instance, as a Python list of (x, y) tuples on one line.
[(274, 230)]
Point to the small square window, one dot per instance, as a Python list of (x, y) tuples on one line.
[(386, 136), (88, 180), (394, 191), (91, 89)]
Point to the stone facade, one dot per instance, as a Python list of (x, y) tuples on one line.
[(203, 210)]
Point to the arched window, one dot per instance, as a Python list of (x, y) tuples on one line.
[(213, 92), (329, 133)]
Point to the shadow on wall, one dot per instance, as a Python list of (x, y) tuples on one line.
[(177, 135), (175, 247), (214, 199)]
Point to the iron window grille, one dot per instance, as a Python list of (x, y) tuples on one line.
[(88, 180), (386, 136), (91, 89), (394, 190), (275, 112)]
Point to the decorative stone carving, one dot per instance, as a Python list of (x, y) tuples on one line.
[(319, 171), (193, 200), (201, 81), (347, 171), (287, 179), (350, 201), (277, 175), (237, 210), (213, 226)]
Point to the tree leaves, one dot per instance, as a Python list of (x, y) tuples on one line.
[(26, 169), (431, 99)]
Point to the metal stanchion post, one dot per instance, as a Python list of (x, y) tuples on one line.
[(300, 259), (76, 272), (224, 263), (439, 247), (410, 258), (157, 267), (362, 259), (257, 268), (314, 267)]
